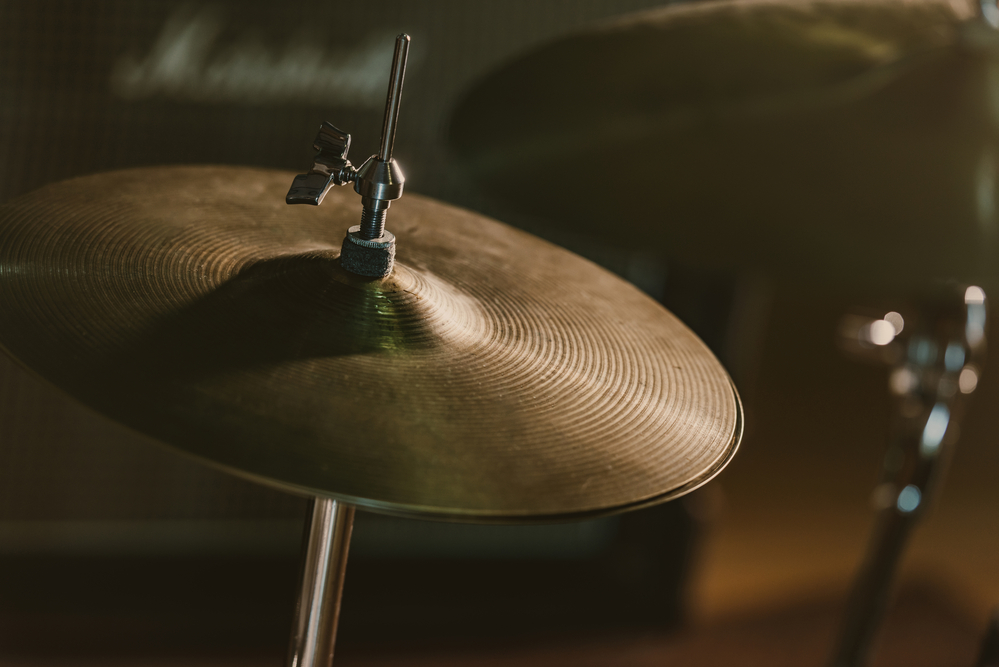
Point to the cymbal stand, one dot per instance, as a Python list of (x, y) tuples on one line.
[(936, 366), (368, 250), (328, 527)]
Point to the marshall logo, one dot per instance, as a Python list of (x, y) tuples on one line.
[(187, 62)]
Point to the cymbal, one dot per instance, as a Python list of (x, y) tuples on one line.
[(849, 142), (491, 377)]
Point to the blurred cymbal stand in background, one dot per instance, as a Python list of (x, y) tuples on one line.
[(936, 352)]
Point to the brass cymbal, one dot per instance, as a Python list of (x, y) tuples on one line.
[(846, 141), (491, 377)]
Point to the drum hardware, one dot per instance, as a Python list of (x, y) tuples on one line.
[(368, 249), (936, 355), (328, 528), (192, 305)]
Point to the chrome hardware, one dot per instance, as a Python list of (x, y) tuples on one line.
[(937, 352), (379, 181), (331, 167)]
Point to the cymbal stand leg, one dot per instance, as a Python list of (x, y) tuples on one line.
[(313, 636), (989, 656), (933, 374), (872, 588)]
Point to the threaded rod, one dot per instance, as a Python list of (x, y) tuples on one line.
[(372, 223), (394, 97)]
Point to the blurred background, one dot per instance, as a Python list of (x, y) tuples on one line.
[(115, 549)]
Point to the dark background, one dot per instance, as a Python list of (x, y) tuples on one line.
[(114, 546)]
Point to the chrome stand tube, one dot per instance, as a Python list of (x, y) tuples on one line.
[(872, 588), (913, 470), (314, 633)]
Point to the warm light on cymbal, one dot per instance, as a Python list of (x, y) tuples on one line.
[(491, 377)]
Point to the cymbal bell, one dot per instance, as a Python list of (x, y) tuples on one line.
[(851, 143), (491, 377)]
